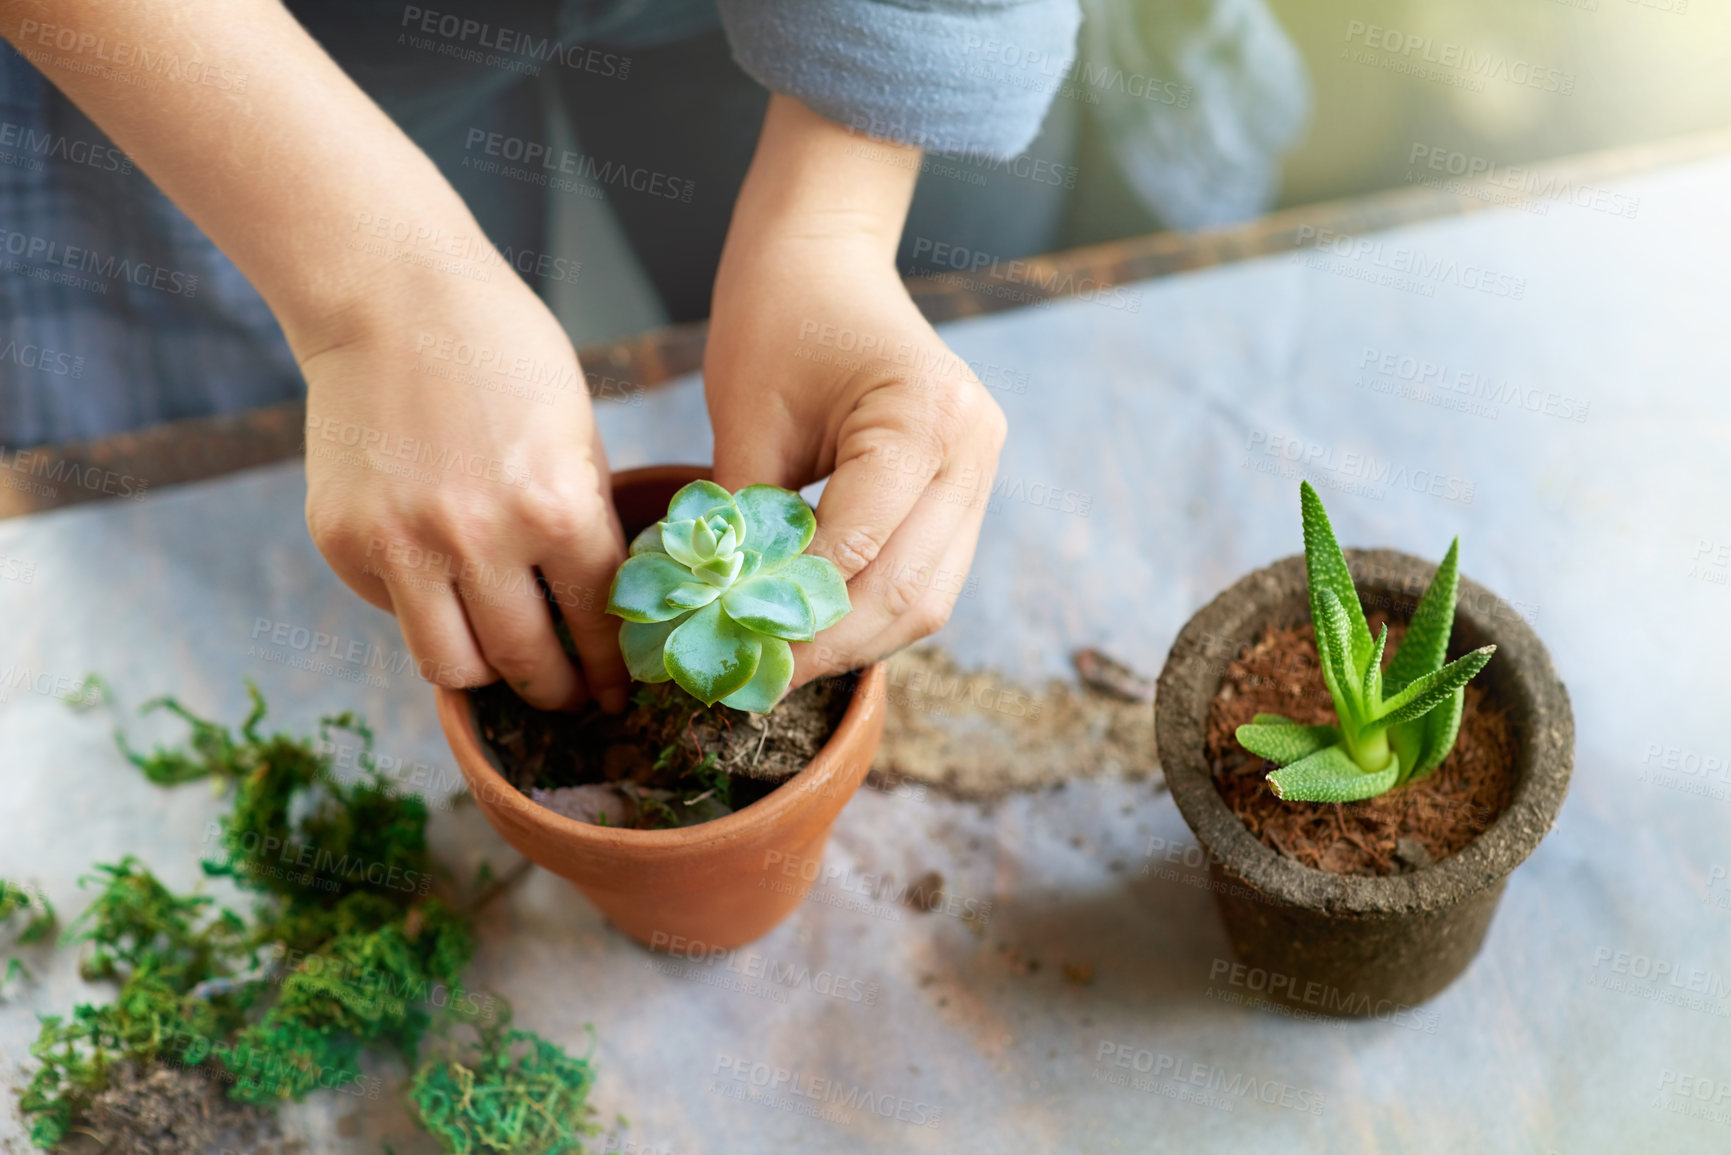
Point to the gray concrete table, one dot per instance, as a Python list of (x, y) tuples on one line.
[(1551, 386)]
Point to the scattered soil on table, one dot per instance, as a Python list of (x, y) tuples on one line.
[(1406, 829), (927, 892), (668, 760), (978, 735), (167, 1110)]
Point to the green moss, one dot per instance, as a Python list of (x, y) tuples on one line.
[(158, 947), (347, 947), (511, 1093), (42, 921)]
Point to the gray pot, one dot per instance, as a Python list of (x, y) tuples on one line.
[(1342, 944)]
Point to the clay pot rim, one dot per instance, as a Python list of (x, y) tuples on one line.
[(808, 786), (1543, 756)]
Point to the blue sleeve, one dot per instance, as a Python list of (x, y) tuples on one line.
[(971, 77)]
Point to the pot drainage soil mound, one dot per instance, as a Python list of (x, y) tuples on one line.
[(978, 735), (1405, 829), (667, 761)]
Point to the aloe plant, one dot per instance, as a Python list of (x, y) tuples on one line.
[(1395, 725), (713, 593)]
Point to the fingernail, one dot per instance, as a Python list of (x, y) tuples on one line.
[(613, 700)]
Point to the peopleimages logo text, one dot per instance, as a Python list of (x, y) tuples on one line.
[(1484, 65), (1400, 259)]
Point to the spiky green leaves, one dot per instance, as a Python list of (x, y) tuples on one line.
[(1428, 691), (1325, 566), (713, 593), (1281, 742), (1330, 775), (1395, 725), (1427, 635)]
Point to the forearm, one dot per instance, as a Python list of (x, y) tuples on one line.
[(245, 123), (812, 179)]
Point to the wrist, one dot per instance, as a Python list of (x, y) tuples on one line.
[(813, 180), (393, 271)]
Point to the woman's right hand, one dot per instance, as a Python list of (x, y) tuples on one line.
[(451, 456)]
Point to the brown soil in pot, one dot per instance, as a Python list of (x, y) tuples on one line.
[(1405, 829), (708, 761)]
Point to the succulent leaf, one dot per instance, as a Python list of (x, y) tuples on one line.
[(1426, 693), (1427, 636), (1325, 566), (703, 543), (695, 500), (772, 605), (1406, 741), (641, 643), (649, 541), (693, 595), (1371, 695), (721, 572), (731, 519), (774, 673), (1330, 775), (823, 587), (1272, 720), (1335, 649), (1441, 726), (677, 541), (642, 585), (778, 522), (1285, 742), (710, 655)]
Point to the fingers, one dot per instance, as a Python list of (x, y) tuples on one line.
[(886, 459), (514, 627), (582, 548), (463, 584), (438, 635), (930, 597), (346, 548), (908, 592), (908, 589)]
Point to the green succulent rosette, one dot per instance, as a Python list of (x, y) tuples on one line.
[(713, 593)]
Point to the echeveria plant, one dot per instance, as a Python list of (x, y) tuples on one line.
[(1395, 725), (713, 593)]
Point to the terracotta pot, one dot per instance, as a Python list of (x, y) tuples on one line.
[(1344, 944), (716, 885)]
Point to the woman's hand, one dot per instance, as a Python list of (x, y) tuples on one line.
[(452, 457), (819, 364), (450, 450)]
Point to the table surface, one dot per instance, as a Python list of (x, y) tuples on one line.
[(1576, 439)]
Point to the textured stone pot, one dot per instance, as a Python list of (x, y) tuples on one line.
[(716, 885), (1344, 944)]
